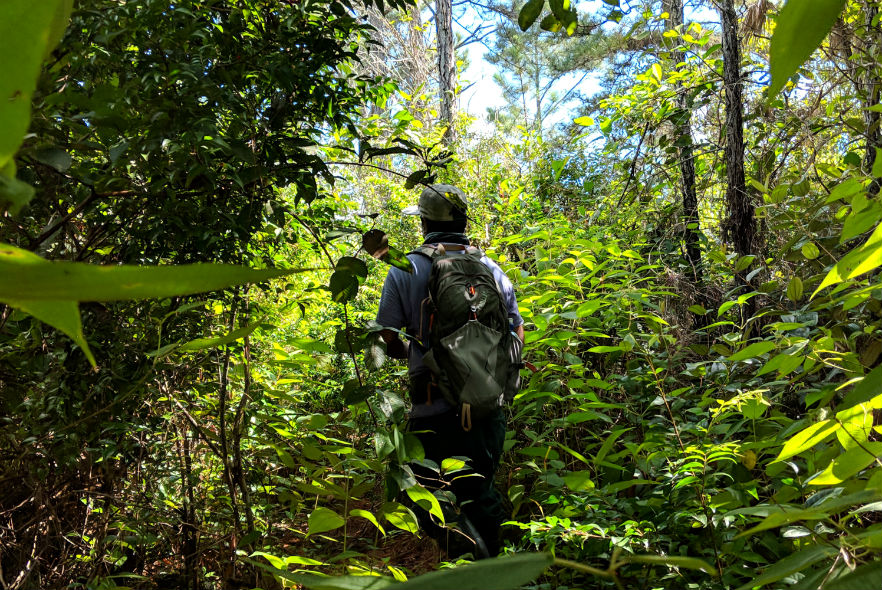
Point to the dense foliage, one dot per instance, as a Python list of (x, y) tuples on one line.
[(194, 231)]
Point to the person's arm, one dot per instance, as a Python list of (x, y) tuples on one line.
[(397, 348), (519, 330)]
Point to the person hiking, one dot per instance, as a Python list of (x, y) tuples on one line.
[(446, 420)]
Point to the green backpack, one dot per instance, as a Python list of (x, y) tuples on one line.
[(473, 355)]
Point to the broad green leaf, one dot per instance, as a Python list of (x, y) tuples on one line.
[(344, 286), (784, 363), (807, 438), (862, 259), (845, 189), (858, 222), (810, 250), (414, 178), (26, 276), (352, 265), (848, 464), (400, 517), (866, 389), (865, 577), (857, 424), (14, 194), (426, 500), (369, 516), (584, 121), (501, 573), (579, 480), (529, 13), (62, 315), (27, 29), (752, 351), (791, 564), (794, 289), (323, 520), (692, 563), (54, 157), (801, 27), (877, 164)]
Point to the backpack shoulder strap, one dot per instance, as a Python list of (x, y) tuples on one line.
[(427, 250)]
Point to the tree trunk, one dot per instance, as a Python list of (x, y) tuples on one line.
[(869, 89), (446, 66), (740, 225), (686, 155)]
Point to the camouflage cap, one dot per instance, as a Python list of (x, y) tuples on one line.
[(440, 202)]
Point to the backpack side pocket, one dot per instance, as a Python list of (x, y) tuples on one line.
[(515, 350)]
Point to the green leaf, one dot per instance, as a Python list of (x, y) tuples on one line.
[(369, 516), (868, 388), (414, 179), (790, 565), (529, 13), (865, 577), (550, 23), (844, 190), (860, 260), (27, 31), (752, 351), (14, 194), (62, 315), (344, 286), (801, 28), (203, 343), (55, 157), (794, 289), (400, 517), (500, 573), (858, 222), (323, 520), (807, 438), (810, 251), (692, 563), (847, 465), (784, 363), (877, 164), (584, 121), (426, 500), (579, 480), (26, 276), (356, 395)]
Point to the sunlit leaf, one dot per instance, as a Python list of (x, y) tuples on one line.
[(27, 29), (848, 464), (801, 28), (322, 520), (26, 276)]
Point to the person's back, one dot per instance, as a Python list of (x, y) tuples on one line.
[(404, 304)]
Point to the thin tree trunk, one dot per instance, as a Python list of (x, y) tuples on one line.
[(446, 66), (225, 450), (686, 156), (869, 89), (739, 227)]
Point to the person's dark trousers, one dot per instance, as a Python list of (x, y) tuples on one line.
[(477, 496)]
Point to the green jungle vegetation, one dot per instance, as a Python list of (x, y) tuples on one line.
[(199, 201)]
